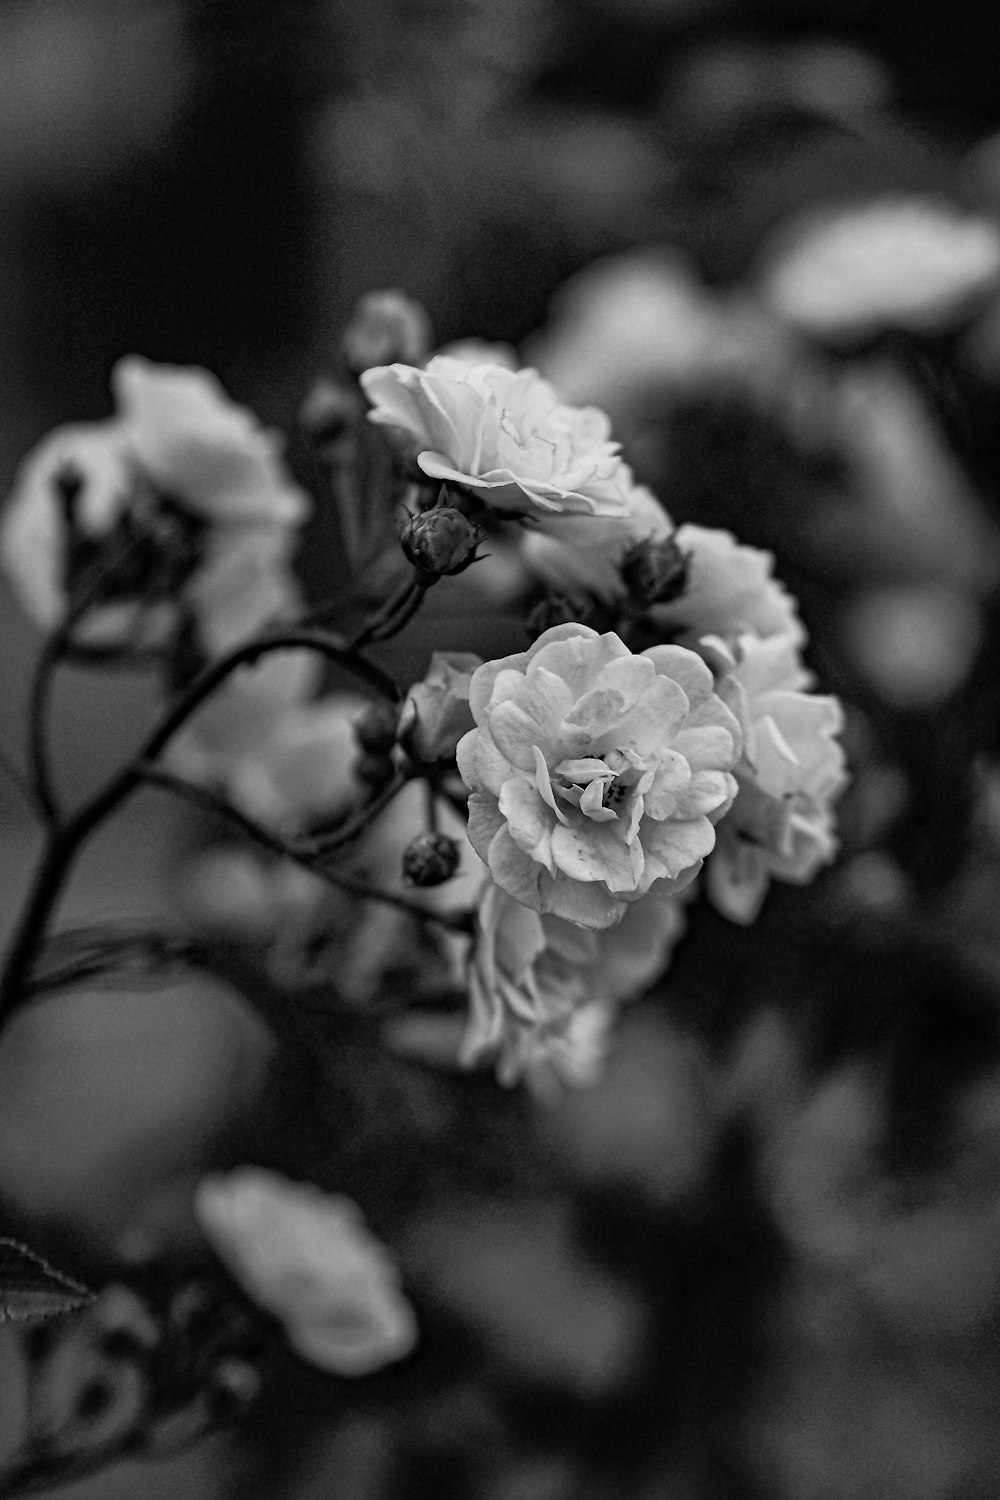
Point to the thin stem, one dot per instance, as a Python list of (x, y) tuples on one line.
[(333, 647), (383, 623), (38, 756), (53, 652), (210, 802), (65, 841), (12, 770), (327, 841)]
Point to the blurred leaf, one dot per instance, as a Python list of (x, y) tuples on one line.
[(31, 1288)]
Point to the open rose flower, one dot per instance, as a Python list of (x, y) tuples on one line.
[(307, 1257), (790, 773), (584, 554), (503, 434), (176, 513), (730, 590), (543, 992), (595, 773)]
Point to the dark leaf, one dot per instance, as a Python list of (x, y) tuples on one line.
[(31, 1288)]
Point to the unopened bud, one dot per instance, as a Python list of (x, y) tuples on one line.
[(430, 859), (386, 328), (441, 541), (375, 728), (376, 771), (329, 411), (554, 609), (655, 572)]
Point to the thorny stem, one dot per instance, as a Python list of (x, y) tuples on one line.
[(67, 839)]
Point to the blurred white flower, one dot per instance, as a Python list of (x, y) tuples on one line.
[(282, 759), (848, 270), (543, 992), (780, 825), (175, 513), (479, 352), (196, 445), (307, 1257), (307, 768), (628, 325), (503, 434), (386, 326), (914, 642)]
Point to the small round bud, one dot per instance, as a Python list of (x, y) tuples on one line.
[(655, 572), (376, 771), (430, 859), (386, 328), (375, 728), (440, 542)]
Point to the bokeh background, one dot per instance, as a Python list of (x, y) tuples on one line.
[(764, 1259)]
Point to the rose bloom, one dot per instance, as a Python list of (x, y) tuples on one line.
[(503, 434), (181, 501), (436, 713), (583, 554), (790, 773), (307, 1257), (543, 992), (595, 773), (892, 262), (730, 590)]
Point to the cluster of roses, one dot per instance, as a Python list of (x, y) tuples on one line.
[(600, 780)]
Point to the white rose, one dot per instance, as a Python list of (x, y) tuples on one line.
[(503, 434), (307, 1257)]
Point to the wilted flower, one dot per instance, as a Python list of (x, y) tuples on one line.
[(384, 327), (790, 773), (892, 262), (543, 992), (595, 773), (503, 434), (307, 1257), (436, 713), (175, 514)]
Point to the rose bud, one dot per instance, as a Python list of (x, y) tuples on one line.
[(440, 542), (430, 859), (375, 728), (386, 328), (655, 572)]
